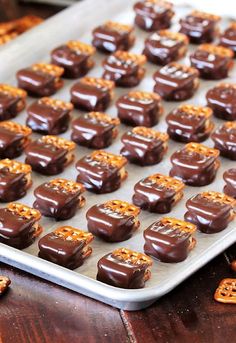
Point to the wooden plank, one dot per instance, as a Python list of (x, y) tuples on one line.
[(37, 311), (189, 313)]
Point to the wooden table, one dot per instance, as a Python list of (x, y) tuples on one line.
[(36, 311)]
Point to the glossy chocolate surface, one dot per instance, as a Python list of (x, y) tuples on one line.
[(225, 140), (139, 112), (209, 216), (193, 168), (222, 100), (118, 273), (110, 225), (151, 16), (109, 37), (162, 49), (166, 243), (87, 97), (142, 150), (67, 253), (176, 82), (186, 126), (45, 158), (8, 106), (15, 230), (228, 38), (230, 180), (11, 143), (12, 185)]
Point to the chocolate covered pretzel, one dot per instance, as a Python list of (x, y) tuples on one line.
[(228, 38), (229, 177), (224, 138), (12, 101)]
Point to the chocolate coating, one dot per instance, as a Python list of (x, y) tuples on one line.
[(209, 216), (175, 82), (12, 186), (228, 38), (139, 112), (66, 253), (166, 243), (230, 179), (225, 140), (222, 100), (153, 16), (8, 105), (47, 119), (11, 143)]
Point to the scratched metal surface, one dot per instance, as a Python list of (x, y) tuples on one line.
[(76, 23)]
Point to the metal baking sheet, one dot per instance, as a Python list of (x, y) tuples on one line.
[(76, 23)]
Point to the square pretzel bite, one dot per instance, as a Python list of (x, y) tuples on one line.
[(12, 101), (15, 180), (228, 38), (224, 138), (126, 69), (49, 116), (49, 155), (169, 240), (165, 46), (4, 284), (113, 221), (158, 193), (190, 123), (66, 246), (152, 15), (59, 198), (138, 108), (195, 164), (212, 61), (144, 146), (95, 130), (226, 291), (112, 36), (124, 268), (210, 211), (229, 177), (75, 57), (176, 82), (14, 138), (200, 27), (41, 79), (92, 94), (19, 225), (222, 100), (101, 171)]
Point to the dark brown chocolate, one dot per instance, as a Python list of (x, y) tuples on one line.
[(213, 62), (12, 101), (139, 108), (169, 240), (101, 172), (19, 225), (124, 268), (224, 138), (74, 57), (13, 139), (40, 79), (112, 36), (15, 179), (158, 193), (50, 155), (59, 198), (230, 180), (95, 130), (228, 38), (200, 27), (222, 100), (92, 94), (190, 123), (195, 164), (49, 116), (66, 246), (211, 212), (151, 15), (176, 82), (144, 146), (124, 68), (113, 221), (165, 46)]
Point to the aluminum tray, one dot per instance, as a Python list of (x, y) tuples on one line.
[(73, 23)]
